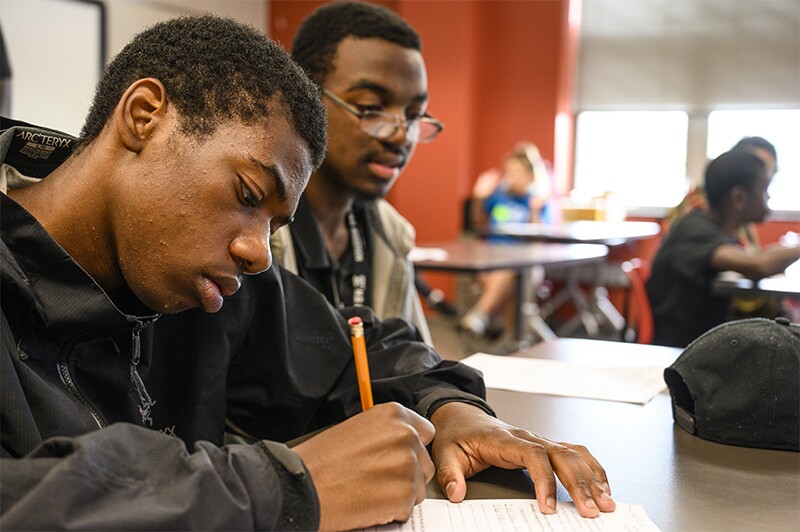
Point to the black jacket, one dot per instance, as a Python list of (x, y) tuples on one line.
[(276, 362)]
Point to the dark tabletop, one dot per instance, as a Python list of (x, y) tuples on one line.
[(684, 483)]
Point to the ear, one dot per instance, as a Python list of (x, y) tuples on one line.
[(737, 198), (140, 111)]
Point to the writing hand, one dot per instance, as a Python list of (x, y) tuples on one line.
[(371, 469), (468, 441)]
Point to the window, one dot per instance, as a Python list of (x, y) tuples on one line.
[(638, 155), (779, 126)]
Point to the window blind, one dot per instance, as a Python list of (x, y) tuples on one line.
[(695, 55)]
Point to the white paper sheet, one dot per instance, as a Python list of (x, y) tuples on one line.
[(506, 515), (628, 384), (420, 254)]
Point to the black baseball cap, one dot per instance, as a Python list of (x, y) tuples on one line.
[(739, 384)]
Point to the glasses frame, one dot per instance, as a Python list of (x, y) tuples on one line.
[(397, 120)]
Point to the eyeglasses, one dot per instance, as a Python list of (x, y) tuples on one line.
[(379, 125)]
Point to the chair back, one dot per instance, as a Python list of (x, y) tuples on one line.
[(639, 315)]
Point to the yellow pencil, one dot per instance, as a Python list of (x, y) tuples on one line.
[(362, 366)]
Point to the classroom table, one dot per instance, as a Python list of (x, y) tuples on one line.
[(472, 255), (583, 231), (782, 285), (684, 483), (597, 307)]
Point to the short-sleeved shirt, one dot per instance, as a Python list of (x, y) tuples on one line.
[(502, 207), (679, 287)]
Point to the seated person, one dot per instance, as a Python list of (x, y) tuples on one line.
[(519, 193), (164, 205), (696, 198), (743, 306), (703, 243), (347, 241)]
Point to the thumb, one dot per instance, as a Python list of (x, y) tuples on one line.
[(451, 479)]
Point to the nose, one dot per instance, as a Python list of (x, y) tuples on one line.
[(405, 132), (252, 253)]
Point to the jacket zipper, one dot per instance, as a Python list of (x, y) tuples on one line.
[(66, 377), (146, 403)]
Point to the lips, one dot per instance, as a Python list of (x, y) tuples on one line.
[(390, 160), (386, 167), (227, 285), (212, 290)]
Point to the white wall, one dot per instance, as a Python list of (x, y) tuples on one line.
[(54, 48), (128, 17)]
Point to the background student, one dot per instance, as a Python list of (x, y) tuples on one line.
[(747, 235), (347, 241), (703, 243), (696, 198), (521, 193), (164, 204)]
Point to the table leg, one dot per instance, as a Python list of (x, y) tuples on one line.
[(528, 315), (573, 293), (607, 308)]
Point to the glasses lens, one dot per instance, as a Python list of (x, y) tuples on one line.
[(377, 126), (381, 126), (428, 129)]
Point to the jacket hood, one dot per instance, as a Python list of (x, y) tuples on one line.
[(33, 261)]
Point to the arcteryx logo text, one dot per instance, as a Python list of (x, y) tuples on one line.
[(34, 145), (45, 140)]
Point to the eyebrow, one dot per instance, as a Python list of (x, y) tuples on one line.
[(365, 84), (274, 171)]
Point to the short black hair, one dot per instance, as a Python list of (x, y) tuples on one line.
[(731, 169), (749, 143), (319, 35), (214, 69)]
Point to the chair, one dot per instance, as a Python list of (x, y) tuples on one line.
[(639, 316)]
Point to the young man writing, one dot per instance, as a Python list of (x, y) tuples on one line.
[(166, 202)]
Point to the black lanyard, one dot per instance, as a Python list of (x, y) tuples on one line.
[(359, 277)]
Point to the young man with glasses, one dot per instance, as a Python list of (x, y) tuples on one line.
[(346, 240)]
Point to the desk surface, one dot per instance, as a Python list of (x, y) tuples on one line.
[(684, 483), (475, 255), (584, 231), (733, 284)]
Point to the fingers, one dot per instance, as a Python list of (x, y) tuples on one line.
[(468, 441), (371, 468), (593, 464), (600, 492), (426, 466), (423, 427), (582, 481), (580, 473), (421, 433), (450, 477), (537, 462)]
